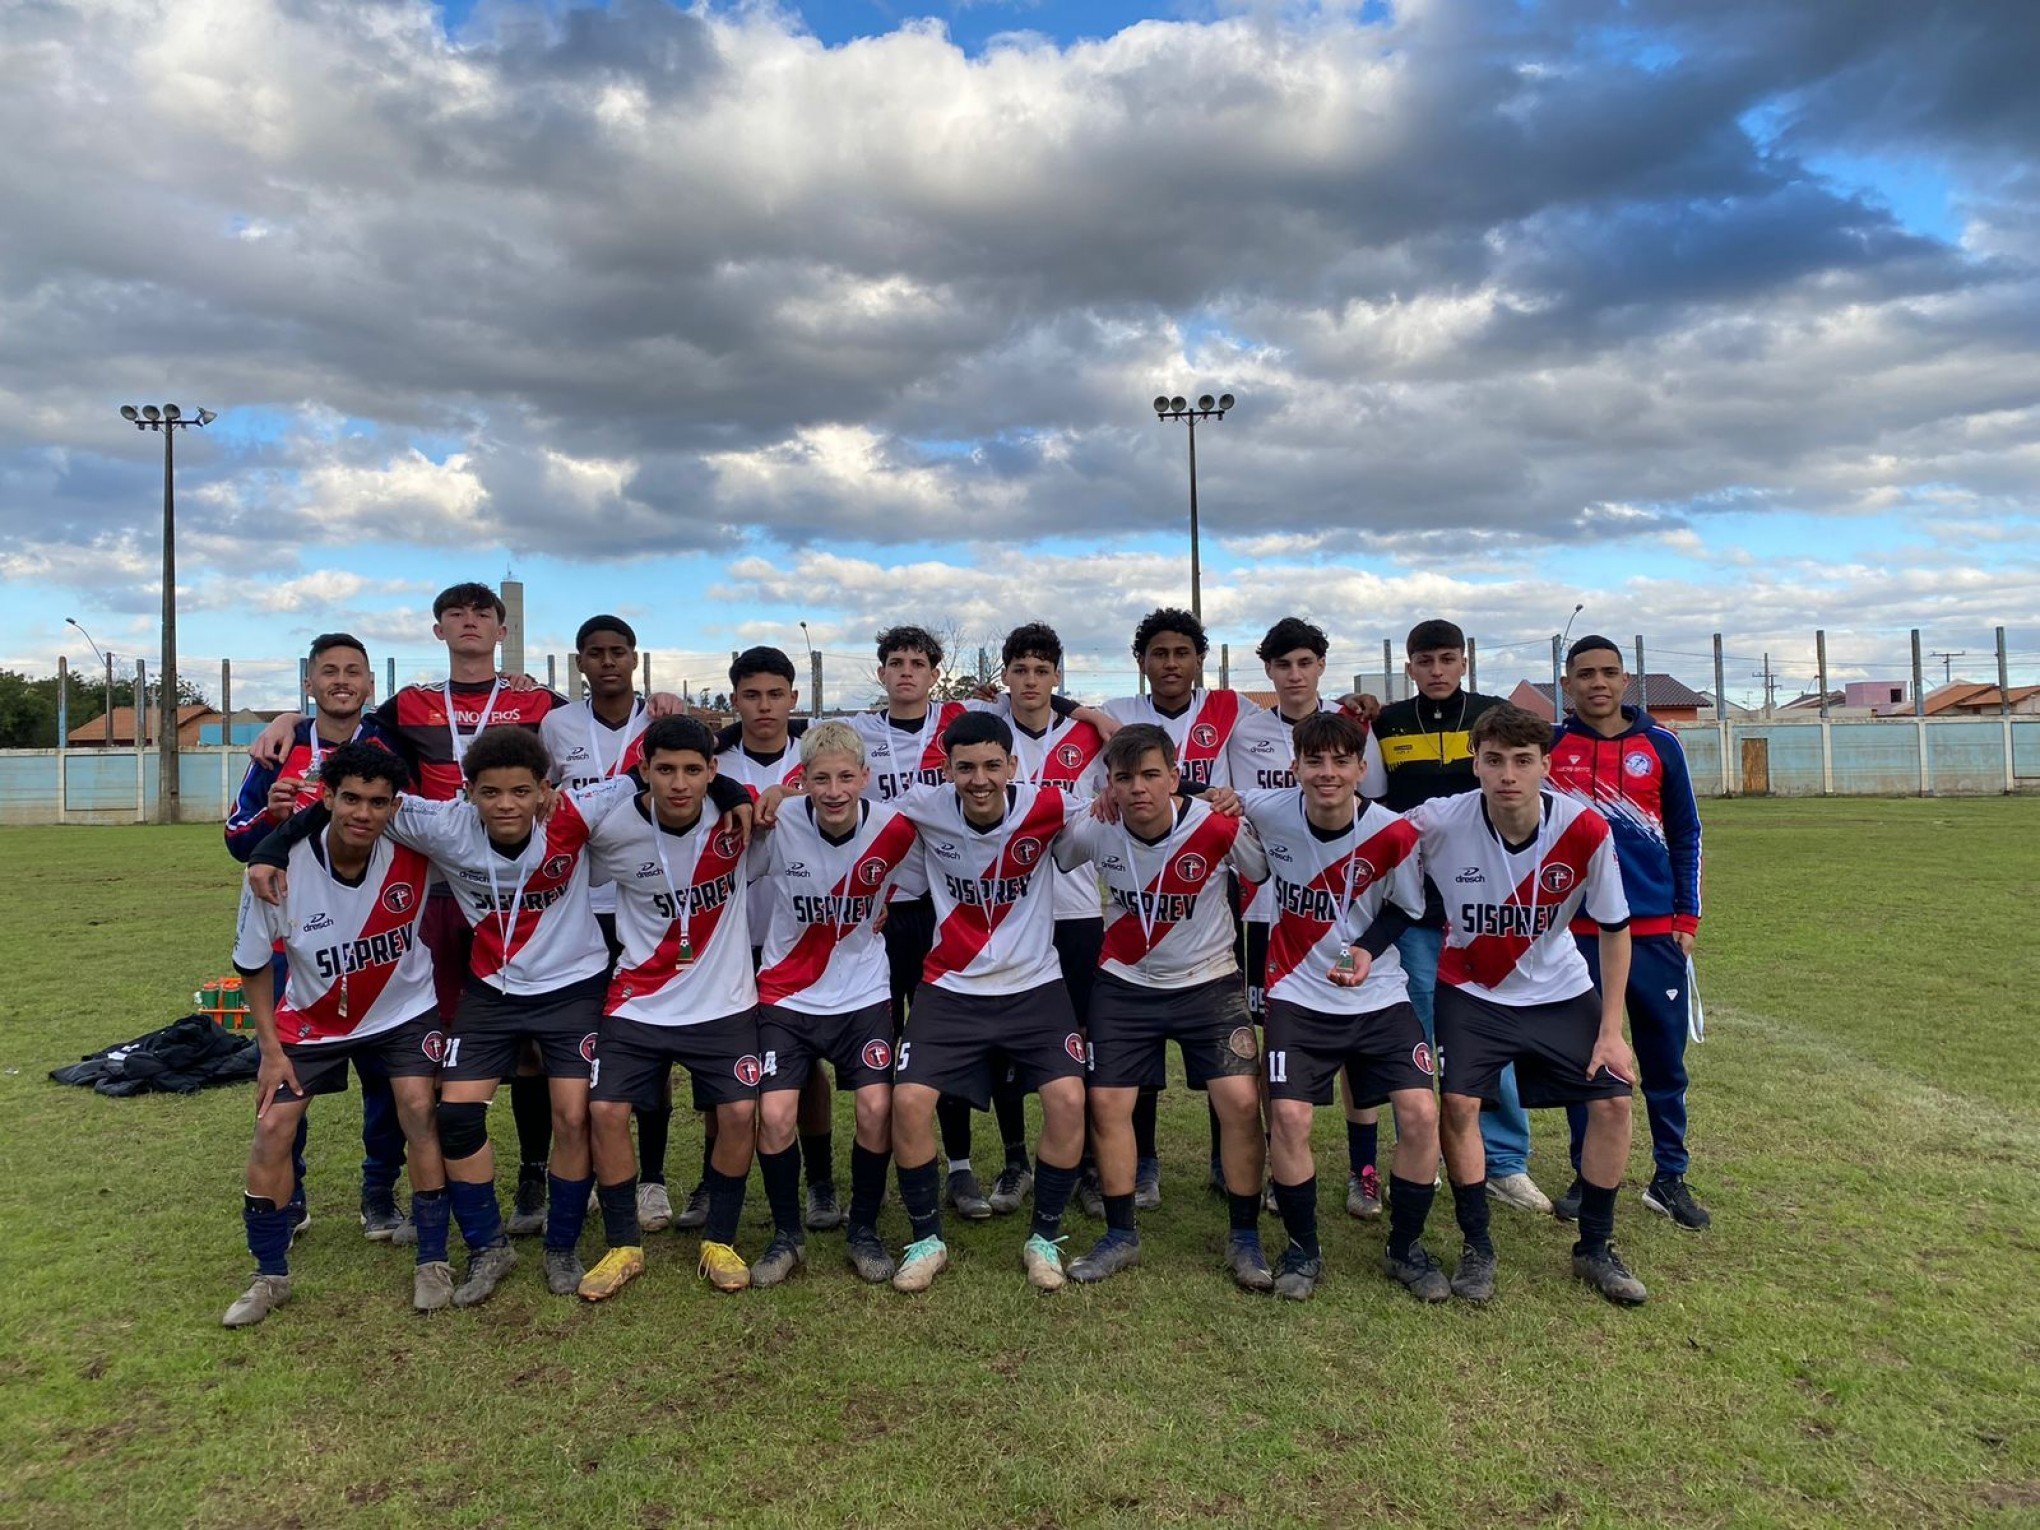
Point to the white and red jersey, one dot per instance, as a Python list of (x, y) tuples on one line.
[(1167, 923), (587, 751), (823, 955), (534, 929), (1508, 912), (1328, 890), (758, 774), (357, 966), (1200, 732), (1069, 755), (680, 913), (993, 889), (902, 758), (1261, 756)]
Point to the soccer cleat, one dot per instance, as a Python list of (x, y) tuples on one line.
[(1042, 1261), (1363, 1194), (696, 1212), (920, 1264), (1147, 1184), (1268, 1202), (1474, 1280), (824, 1212), (264, 1294), (1606, 1273), (868, 1256), (1249, 1264), (300, 1216), (432, 1287), (485, 1272), (563, 1271), (1520, 1191), (782, 1257), (1010, 1189), (1091, 1195), (405, 1234), (1296, 1276), (1668, 1196), (654, 1207), (613, 1271), (967, 1196), (1567, 1207), (528, 1215), (723, 1267), (1421, 1275), (1108, 1256), (380, 1218)]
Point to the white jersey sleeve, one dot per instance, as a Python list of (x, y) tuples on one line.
[(256, 932), (681, 916)]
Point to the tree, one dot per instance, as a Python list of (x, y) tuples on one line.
[(28, 708)]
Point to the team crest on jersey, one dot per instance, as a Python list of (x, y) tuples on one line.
[(1191, 868), (877, 1056), (1204, 736), (1026, 851), (1636, 762), (398, 897), (871, 872), (433, 1045), (1074, 1045), (748, 1071), (588, 1047), (1557, 879), (726, 843), (1420, 1054), (1241, 1043), (556, 867), (1363, 871), (1069, 756)]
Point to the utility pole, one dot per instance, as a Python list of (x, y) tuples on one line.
[(1948, 658), (1770, 679)]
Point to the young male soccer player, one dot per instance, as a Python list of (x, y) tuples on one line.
[(360, 987), (1418, 751), (823, 988), (340, 682), (1620, 761), (1346, 884), (990, 995), (1168, 972), (1513, 987), (683, 993)]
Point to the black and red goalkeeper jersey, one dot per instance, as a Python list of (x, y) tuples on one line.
[(432, 742)]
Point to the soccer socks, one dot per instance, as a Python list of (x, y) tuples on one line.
[(1409, 1206), (953, 1115), (1470, 1206), (1360, 1144), (818, 1153), (1119, 1216), (430, 1213), (1146, 1106), (707, 1157), (1298, 1205), (1244, 1212), (867, 1185), (1052, 1187), (268, 1234), (619, 1214), (921, 1194), (781, 1173), (476, 1210), (566, 1209), (654, 1127), (1010, 1107), (1214, 1128), (1597, 1217), (725, 1206), (531, 1106)]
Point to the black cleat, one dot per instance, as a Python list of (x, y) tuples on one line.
[(485, 1271), (695, 1213), (824, 1212), (1420, 1274), (380, 1218), (1108, 1256), (783, 1256), (1474, 1280), (1147, 1184), (1668, 1196), (1091, 1195), (1296, 1276), (1606, 1273), (868, 1256), (1010, 1189), (1567, 1207), (968, 1197), (528, 1215), (1248, 1263)]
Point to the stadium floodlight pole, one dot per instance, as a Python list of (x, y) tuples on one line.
[(1207, 408), (168, 419), (106, 659)]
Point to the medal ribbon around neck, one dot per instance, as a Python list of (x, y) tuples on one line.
[(622, 748), (508, 921), (683, 908), (453, 727)]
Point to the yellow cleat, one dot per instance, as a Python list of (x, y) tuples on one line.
[(619, 1267), (723, 1267)]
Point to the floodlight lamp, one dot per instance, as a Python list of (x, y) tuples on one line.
[(206, 416), (172, 412), (1225, 401), (1161, 404), (1179, 403), (130, 412), (151, 413), (1205, 402)]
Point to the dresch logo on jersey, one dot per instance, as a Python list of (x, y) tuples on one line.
[(1470, 874)]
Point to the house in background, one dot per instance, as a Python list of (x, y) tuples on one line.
[(1969, 698), (1665, 697), (191, 722)]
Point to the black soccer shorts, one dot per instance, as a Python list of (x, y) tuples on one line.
[(1257, 970), (1132, 1025), (858, 1044), (960, 1044), (1384, 1048), (1550, 1044), (493, 1026), (633, 1057), (409, 1050), (909, 934)]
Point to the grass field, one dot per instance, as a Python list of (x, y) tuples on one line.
[(1857, 1341)]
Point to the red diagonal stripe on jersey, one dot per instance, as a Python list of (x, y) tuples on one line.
[(1488, 959), (1071, 755), (1294, 936), (719, 859), (364, 987), (1205, 737), (566, 831), (1125, 942), (965, 932), (935, 757), (803, 966)]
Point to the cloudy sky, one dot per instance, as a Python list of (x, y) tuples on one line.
[(1712, 317)]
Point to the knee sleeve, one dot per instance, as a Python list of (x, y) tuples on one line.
[(463, 1129)]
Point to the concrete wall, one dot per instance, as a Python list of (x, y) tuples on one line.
[(111, 786), (1879, 757)]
